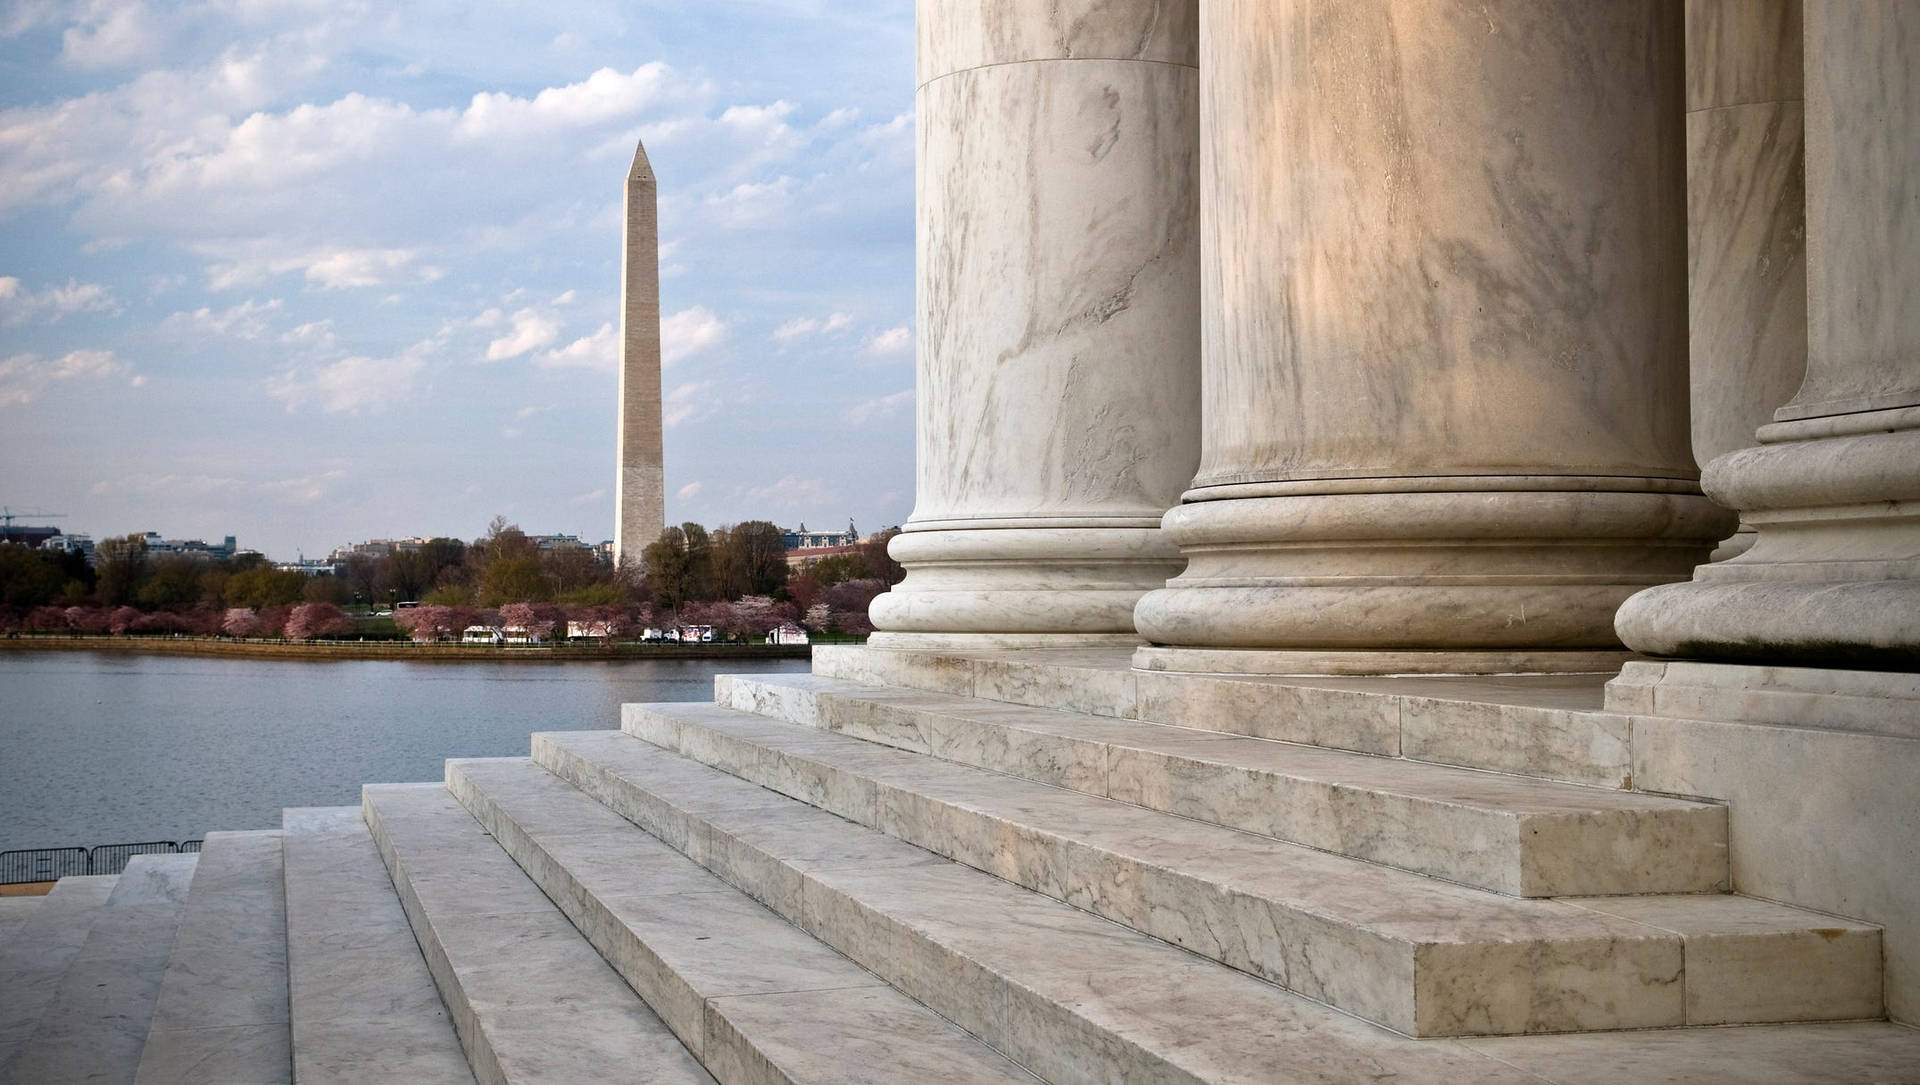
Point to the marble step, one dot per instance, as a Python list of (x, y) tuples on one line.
[(44, 945), (1073, 997), (363, 1007), (1509, 834), (94, 1027), (222, 1011), (14, 913), (1421, 956), (753, 996), (531, 1000), (1079, 999), (1548, 726)]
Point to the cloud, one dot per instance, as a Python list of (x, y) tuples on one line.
[(747, 205), (888, 343), (802, 326), (19, 304), (531, 331), (111, 34), (688, 492), (791, 494), (328, 268), (174, 486), (603, 96), (24, 377), (868, 410), (358, 383), (688, 402), (588, 498), (688, 332), (247, 321), (597, 351), (303, 489)]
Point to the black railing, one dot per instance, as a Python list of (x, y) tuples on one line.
[(52, 864)]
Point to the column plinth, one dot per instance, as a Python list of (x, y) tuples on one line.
[(1444, 339), (1058, 320)]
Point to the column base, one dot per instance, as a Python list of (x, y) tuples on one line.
[(1347, 663), (1874, 702), (991, 642), (1453, 580), (1036, 584), (1833, 576)]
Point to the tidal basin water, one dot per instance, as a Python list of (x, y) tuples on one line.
[(103, 748)]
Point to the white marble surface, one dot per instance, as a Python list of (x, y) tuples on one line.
[(1428, 385), (1058, 316), (95, 1026), (1420, 956), (1863, 208), (529, 996), (1833, 488), (1503, 833), (710, 960), (1823, 818), (1746, 226), (222, 1011), (363, 1006), (32, 964), (1069, 995), (955, 35)]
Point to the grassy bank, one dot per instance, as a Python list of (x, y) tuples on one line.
[(407, 650)]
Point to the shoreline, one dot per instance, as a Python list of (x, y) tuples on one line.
[(399, 650)]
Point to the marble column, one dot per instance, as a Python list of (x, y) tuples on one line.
[(1746, 275), (1833, 486), (1444, 333), (1058, 319)]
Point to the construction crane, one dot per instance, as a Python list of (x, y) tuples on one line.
[(8, 516)]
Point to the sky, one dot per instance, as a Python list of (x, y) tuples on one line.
[(308, 272)]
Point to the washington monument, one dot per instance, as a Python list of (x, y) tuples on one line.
[(641, 512)]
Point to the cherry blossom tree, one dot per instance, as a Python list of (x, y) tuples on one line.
[(47, 620), (121, 620), (87, 619), (818, 617), (240, 622), (310, 620)]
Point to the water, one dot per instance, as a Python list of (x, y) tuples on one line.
[(99, 748)]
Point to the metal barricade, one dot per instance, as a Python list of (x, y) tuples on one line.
[(41, 864), (112, 858)]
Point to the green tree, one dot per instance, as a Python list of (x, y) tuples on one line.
[(326, 589), (263, 587), (27, 579), (668, 568), (172, 580), (514, 580), (757, 559), (120, 565)]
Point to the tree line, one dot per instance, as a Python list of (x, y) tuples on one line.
[(734, 578)]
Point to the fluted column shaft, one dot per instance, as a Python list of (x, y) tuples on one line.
[(1058, 318), (1444, 338), (1746, 223), (1833, 485)]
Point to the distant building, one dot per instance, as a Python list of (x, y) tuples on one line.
[(376, 548), (558, 542), (35, 537), (192, 548), (310, 566), (73, 544), (802, 539)]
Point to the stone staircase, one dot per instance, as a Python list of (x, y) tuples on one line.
[(987, 867)]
